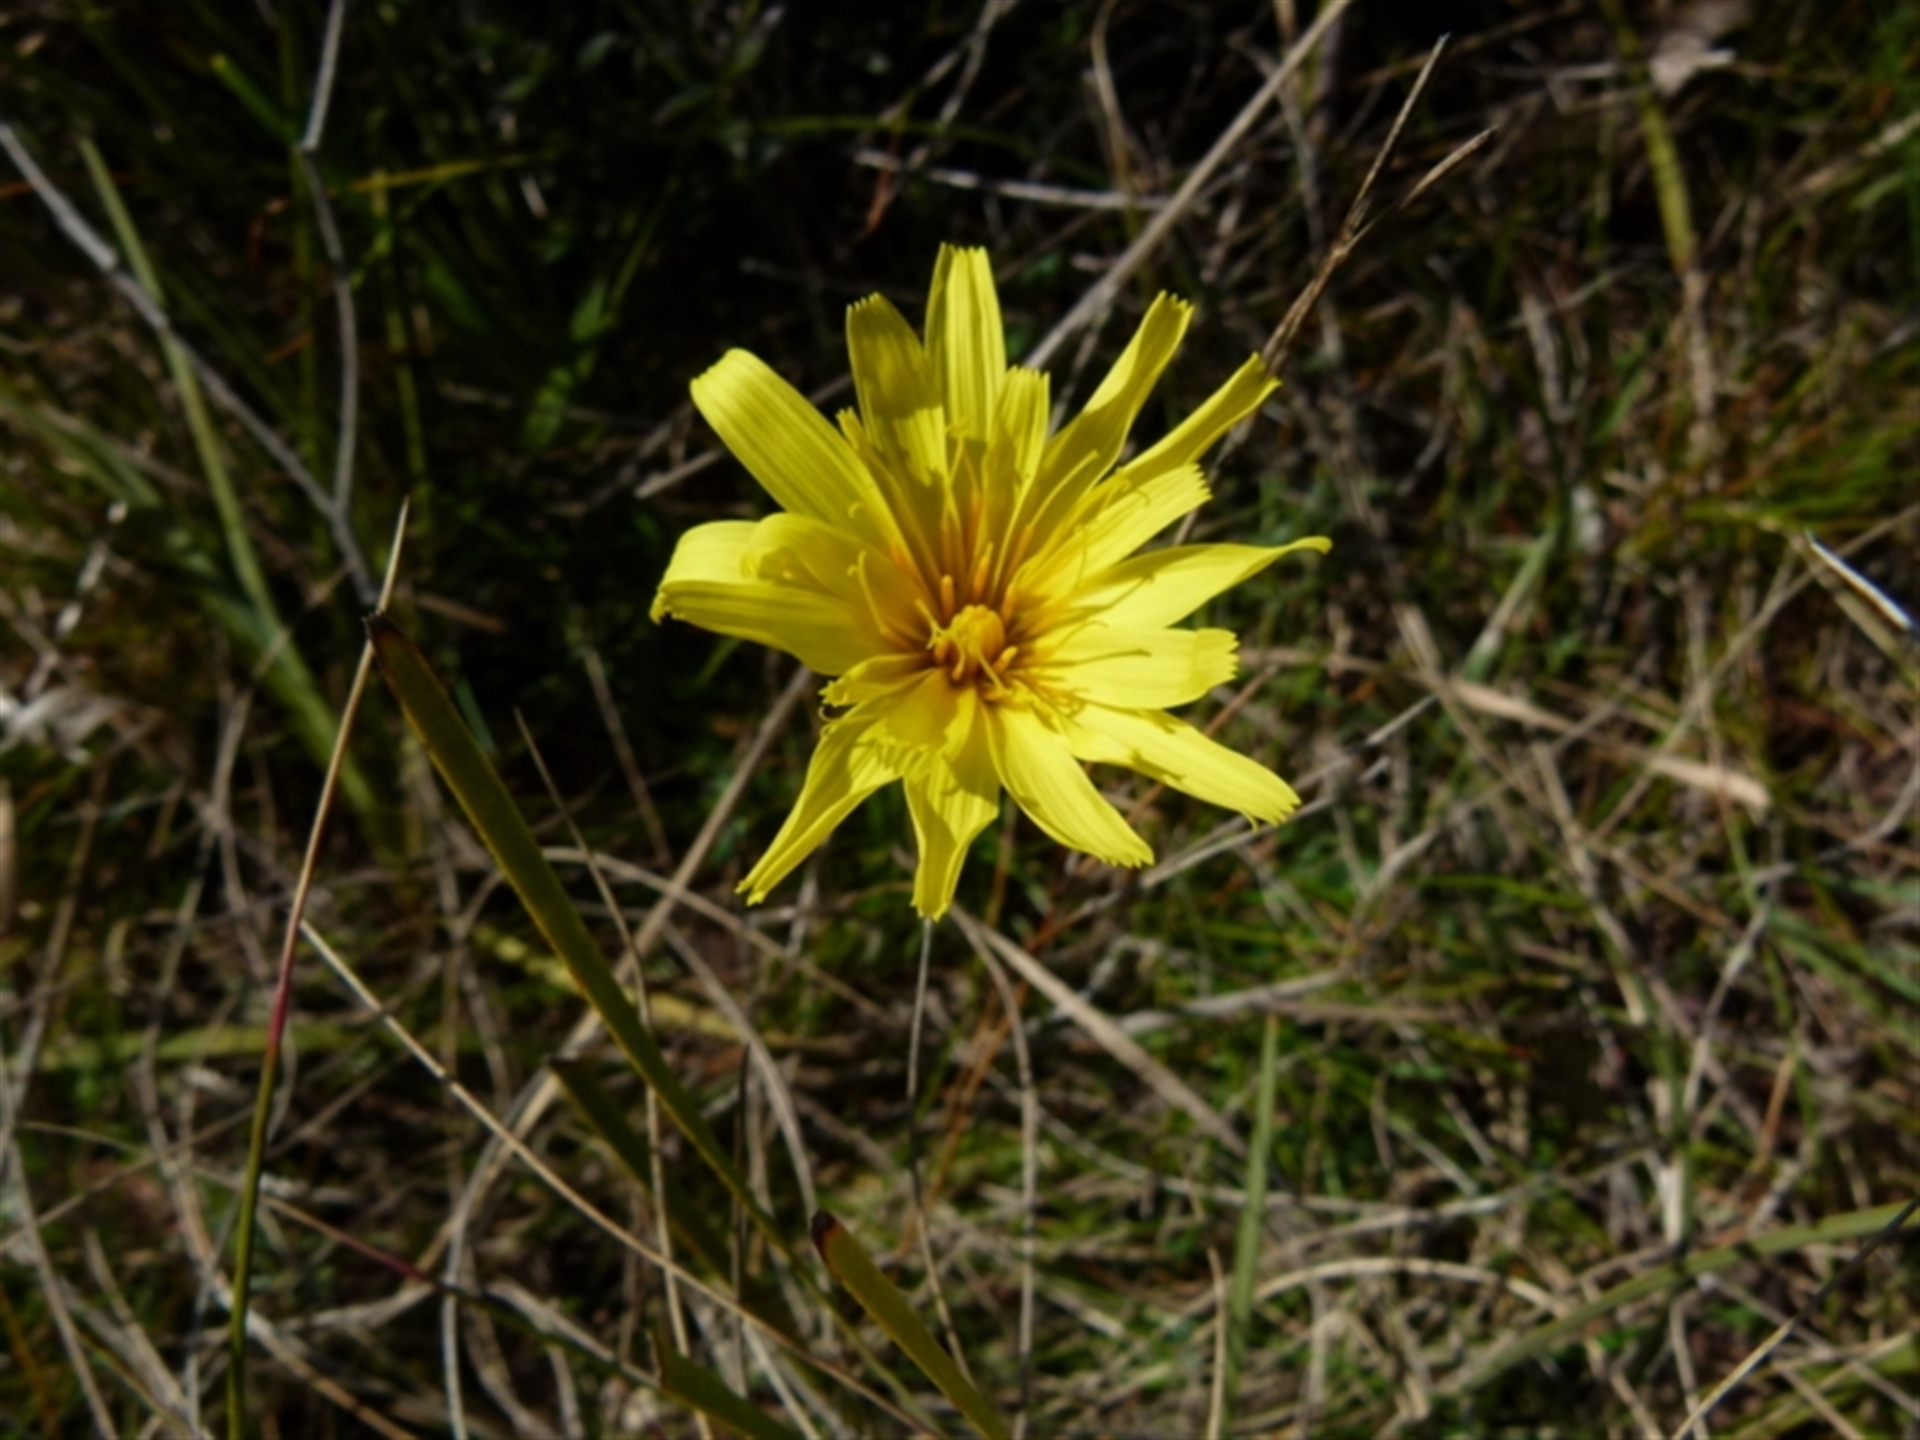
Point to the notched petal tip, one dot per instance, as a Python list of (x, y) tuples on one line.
[(966, 340), (729, 363)]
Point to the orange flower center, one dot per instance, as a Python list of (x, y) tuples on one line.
[(973, 643)]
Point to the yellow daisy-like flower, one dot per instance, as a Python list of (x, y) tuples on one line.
[(971, 581)]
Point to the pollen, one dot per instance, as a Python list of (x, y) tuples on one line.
[(972, 644)]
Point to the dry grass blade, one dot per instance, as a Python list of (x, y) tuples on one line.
[(1697, 1417), (588, 1211), (1104, 1032), (1029, 1177), (52, 1288), (1355, 226), (1102, 292), (1860, 585), (107, 262), (1584, 968), (1721, 780), (779, 1094)]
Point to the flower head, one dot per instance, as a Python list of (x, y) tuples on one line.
[(970, 579)]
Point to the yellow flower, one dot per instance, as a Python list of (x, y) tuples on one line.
[(967, 577)]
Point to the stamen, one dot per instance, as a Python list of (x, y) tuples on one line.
[(975, 642), (982, 571), (1005, 662)]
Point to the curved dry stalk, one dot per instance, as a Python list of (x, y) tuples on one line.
[(282, 1008)]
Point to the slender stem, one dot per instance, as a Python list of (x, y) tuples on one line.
[(1010, 997), (277, 1025), (919, 1015)]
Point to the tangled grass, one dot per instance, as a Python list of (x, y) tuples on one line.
[(1554, 1068)]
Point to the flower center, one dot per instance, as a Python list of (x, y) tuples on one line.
[(972, 643)]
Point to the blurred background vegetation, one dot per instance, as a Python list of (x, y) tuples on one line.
[(1596, 947)]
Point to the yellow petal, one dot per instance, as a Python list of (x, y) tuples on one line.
[(823, 633), (899, 395), (783, 581), (845, 770), (1164, 586), (1114, 521), (1176, 754), (716, 552), (1224, 409), (1139, 669), (1020, 429), (806, 551), (1040, 773), (788, 446), (1101, 429), (924, 718), (894, 596), (1125, 517), (952, 799), (874, 679), (964, 339)]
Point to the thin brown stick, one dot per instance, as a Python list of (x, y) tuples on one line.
[(629, 763)]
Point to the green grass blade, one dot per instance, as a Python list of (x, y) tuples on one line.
[(241, 85), (109, 1052), (1567, 1328), (630, 1147), (880, 1298), (508, 838), (84, 449), (264, 632), (226, 501), (692, 1384), (1834, 1384), (1253, 1216)]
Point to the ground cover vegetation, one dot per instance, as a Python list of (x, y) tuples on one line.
[(1554, 1056)]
